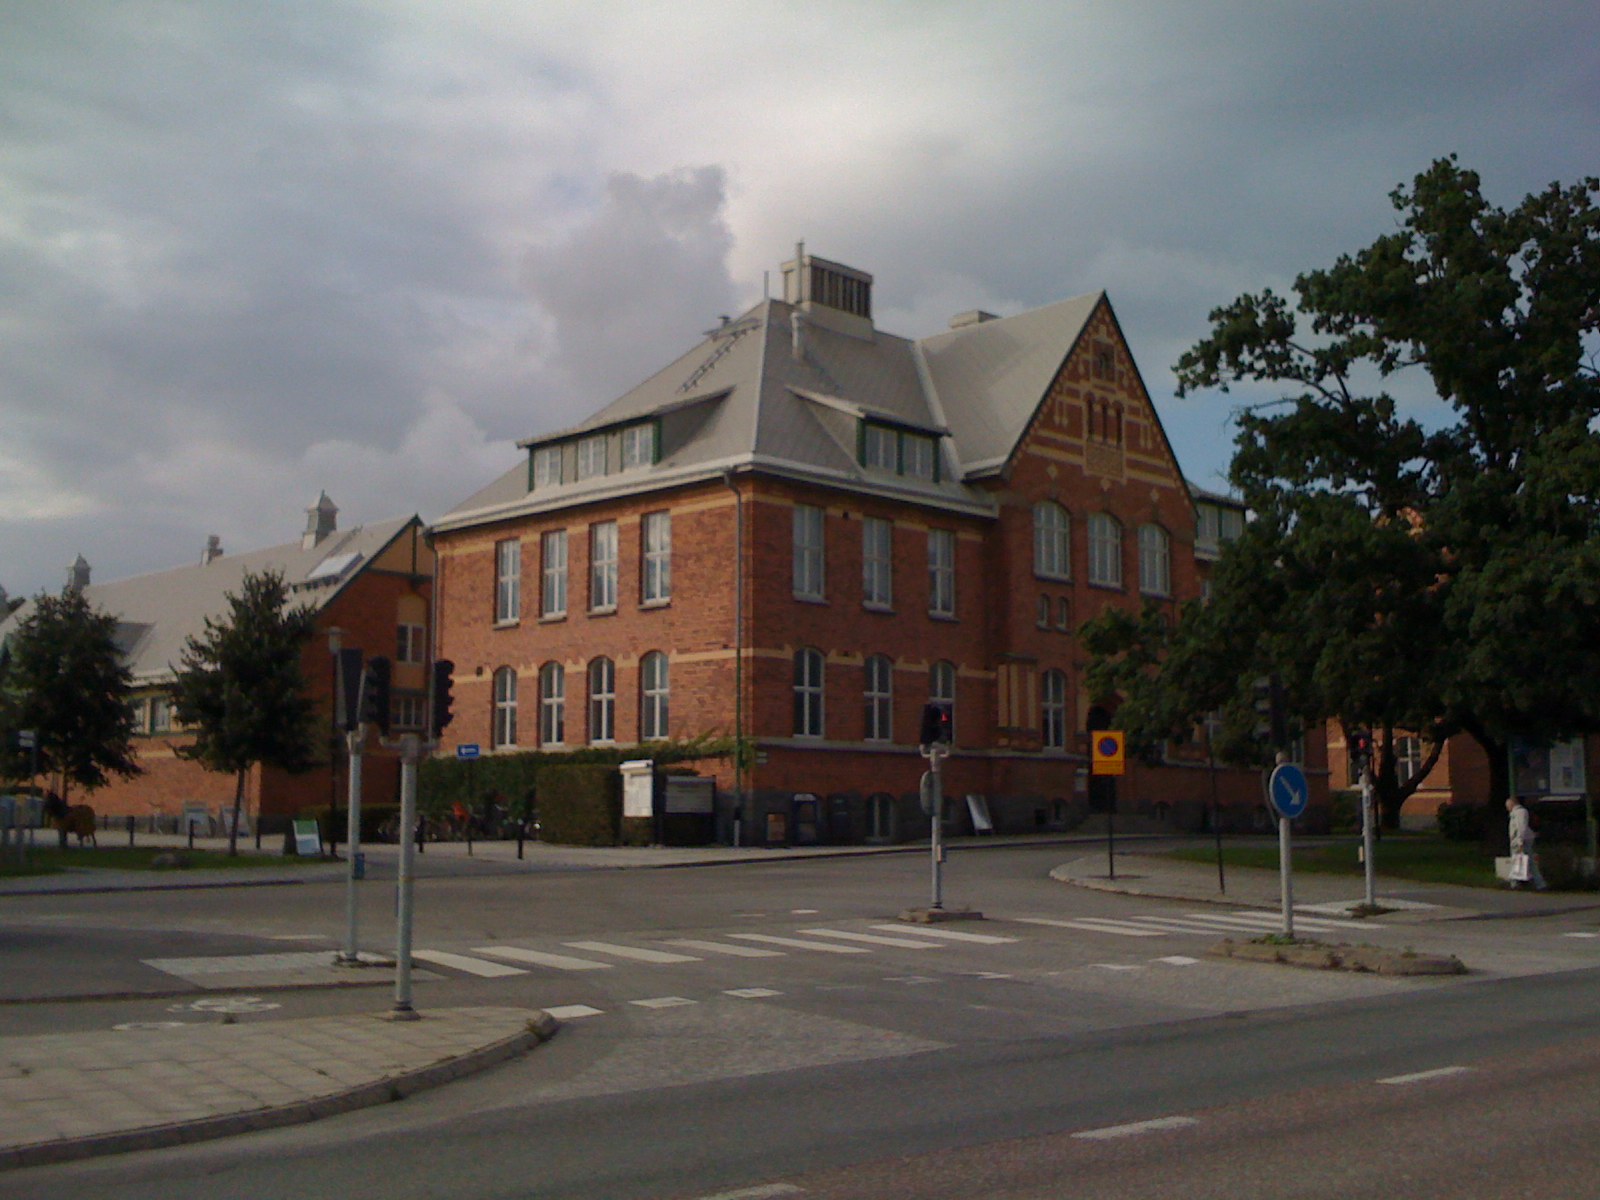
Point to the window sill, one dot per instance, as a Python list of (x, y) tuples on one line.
[(1052, 578), (870, 606), (1107, 587), (552, 618), (810, 599), (944, 616), (666, 603), (508, 623), (608, 611)]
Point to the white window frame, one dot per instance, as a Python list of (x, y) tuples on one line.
[(547, 467), (410, 642), (602, 701), (941, 573), (655, 694), (638, 446), (552, 704), (603, 566), (592, 457), (918, 456), (1053, 709), (810, 683), (1105, 550), (879, 696), (877, 562), (553, 593), (504, 732), (508, 581), (1052, 541), (406, 710), (1155, 561), (810, 542), (655, 535), (880, 448), (160, 714)]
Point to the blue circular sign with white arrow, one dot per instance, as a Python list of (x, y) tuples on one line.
[(1288, 790)]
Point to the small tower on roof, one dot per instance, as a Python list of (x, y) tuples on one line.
[(322, 518)]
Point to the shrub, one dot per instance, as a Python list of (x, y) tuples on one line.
[(580, 804)]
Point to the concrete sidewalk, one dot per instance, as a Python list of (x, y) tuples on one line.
[(143, 1086), (1157, 875)]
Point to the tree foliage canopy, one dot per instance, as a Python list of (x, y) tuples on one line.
[(62, 675), (1428, 570)]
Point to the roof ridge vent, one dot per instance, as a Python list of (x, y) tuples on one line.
[(830, 294)]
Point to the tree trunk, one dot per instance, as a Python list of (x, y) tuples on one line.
[(238, 804)]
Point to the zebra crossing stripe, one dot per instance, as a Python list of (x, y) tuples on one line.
[(1094, 925), (572, 1012), (873, 939), (1274, 920), (954, 935), (797, 944), (472, 966), (561, 962), (632, 952), (725, 948)]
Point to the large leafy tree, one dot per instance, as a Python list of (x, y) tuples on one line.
[(241, 692), (62, 675), (1433, 567)]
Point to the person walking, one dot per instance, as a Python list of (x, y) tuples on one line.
[(1522, 839)]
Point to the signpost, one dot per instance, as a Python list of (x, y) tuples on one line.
[(1108, 756), (1289, 793)]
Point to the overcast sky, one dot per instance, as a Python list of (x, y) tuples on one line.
[(250, 251)]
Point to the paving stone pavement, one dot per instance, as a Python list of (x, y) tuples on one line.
[(76, 1095)]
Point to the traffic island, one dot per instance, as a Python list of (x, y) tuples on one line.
[(1323, 956), (935, 916)]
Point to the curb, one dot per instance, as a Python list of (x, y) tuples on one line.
[(1319, 956), (541, 1028)]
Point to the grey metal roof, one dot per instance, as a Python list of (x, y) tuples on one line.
[(156, 613), (744, 399)]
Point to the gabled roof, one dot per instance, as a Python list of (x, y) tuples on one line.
[(158, 612), (760, 393)]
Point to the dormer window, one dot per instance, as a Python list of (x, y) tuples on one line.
[(547, 466), (638, 446), (591, 457), (901, 451)]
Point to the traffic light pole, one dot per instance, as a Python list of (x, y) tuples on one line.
[(1367, 823), (935, 754), (411, 749), (355, 739)]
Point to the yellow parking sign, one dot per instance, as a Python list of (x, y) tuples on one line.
[(1107, 752)]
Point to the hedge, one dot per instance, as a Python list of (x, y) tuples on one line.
[(580, 804)]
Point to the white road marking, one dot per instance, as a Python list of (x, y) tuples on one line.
[(664, 1002), (227, 1004), (1095, 925), (910, 980), (632, 952), (805, 912), (1274, 920), (797, 944), (1425, 1076), (1177, 960), (765, 1191), (1118, 966), (724, 948), (954, 935), (751, 993), (873, 939), (992, 975), (572, 1012), (142, 1026), (561, 962), (1157, 1125), (462, 962), (1582, 935)]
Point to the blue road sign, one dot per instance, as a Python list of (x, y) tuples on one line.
[(468, 750), (1288, 790)]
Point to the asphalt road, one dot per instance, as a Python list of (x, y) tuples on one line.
[(959, 1067)]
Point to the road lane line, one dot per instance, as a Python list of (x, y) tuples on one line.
[(954, 935), (1157, 1125), (797, 944), (561, 962), (664, 1002), (1094, 925), (632, 952), (1425, 1076), (874, 939), (472, 966), (573, 1012), (751, 993), (1177, 960), (724, 948)]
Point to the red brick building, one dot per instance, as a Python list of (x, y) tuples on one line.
[(804, 529), (370, 588)]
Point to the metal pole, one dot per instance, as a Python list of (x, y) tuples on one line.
[(409, 750), (1216, 820), (1366, 835), (936, 753), (1286, 877), (354, 739), (1111, 840)]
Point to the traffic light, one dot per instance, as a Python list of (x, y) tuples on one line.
[(348, 689), (375, 694), (442, 700), (1272, 719), (936, 724), (1360, 750)]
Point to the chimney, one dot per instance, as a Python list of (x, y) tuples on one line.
[(322, 518), (212, 552), (78, 575), (973, 316)]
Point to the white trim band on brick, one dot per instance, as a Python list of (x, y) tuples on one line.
[(1157, 1125), (1426, 1076)]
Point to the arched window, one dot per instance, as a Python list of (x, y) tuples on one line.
[(602, 700), (1053, 700), (1155, 561), (1105, 550), (1051, 541), (552, 704), (808, 715), (504, 731), (942, 688), (654, 692), (880, 699)]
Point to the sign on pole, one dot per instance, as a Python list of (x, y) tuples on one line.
[(1288, 791), (1108, 752), (468, 750)]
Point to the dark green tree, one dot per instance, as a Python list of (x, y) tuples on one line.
[(62, 675), (1433, 571), (241, 691)]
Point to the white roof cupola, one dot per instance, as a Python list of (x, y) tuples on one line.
[(322, 518), (78, 574)]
